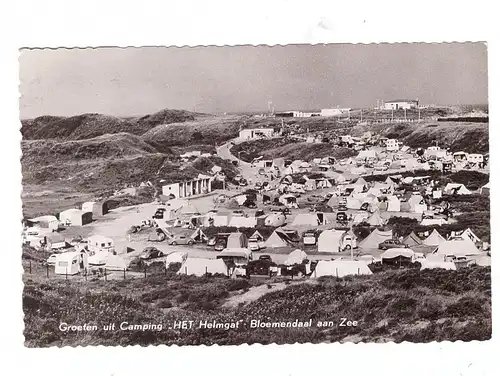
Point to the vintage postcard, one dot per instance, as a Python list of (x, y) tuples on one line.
[(255, 194)]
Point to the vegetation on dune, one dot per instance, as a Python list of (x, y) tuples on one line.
[(209, 131), (93, 125), (288, 148), (398, 305)]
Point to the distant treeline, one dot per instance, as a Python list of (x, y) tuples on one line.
[(477, 119)]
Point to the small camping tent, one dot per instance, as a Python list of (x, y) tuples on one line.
[(296, 257), (376, 220), (330, 241), (457, 247), (202, 266), (412, 240), (176, 257), (375, 238), (341, 268), (434, 239), (456, 189)]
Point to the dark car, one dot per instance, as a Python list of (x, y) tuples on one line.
[(386, 244), (159, 213), (250, 204), (265, 257), (342, 208), (150, 253), (283, 210), (220, 245), (259, 213)]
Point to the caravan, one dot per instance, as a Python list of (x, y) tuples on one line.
[(71, 263)]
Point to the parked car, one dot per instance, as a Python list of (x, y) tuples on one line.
[(220, 245), (265, 257), (159, 213), (309, 238), (151, 253), (386, 244), (283, 210), (52, 259), (342, 208), (238, 213), (255, 244), (259, 213), (250, 204), (180, 240)]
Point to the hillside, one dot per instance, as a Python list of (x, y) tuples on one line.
[(394, 305), (288, 148), (468, 137), (119, 145), (207, 131), (92, 125)]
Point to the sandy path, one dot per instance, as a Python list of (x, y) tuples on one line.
[(252, 294)]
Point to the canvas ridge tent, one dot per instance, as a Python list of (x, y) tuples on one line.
[(202, 266), (457, 247), (434, 239), (296, 257), (341, 268), (375, 238), (412, 240)]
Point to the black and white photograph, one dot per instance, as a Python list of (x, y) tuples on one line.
[(261, 194)]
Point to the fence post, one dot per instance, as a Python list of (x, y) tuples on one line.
[(186, 270), (47, 270), (105, 274), (337, 272), (358, 271), (124, 276), (206, 270), (30, 266), (145, 268), (66, 272), (85, 275)]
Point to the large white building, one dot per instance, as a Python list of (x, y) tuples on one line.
[(399, 104), (201, 185), (252, 134)]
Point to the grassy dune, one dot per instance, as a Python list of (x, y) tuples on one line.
[(399, 305)]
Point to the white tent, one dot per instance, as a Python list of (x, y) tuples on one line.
[(375, 238), (360, 217), (457, 247), (201, 266), (376, 220), (393, 204), (114, 262), (174, 257), (416, 204), (360, 181), (459, 189), (433, 222), (306, 219), (341, 268), (353, 203), (398, 252), (434, 239), (329, 241), (276, 240), (484, 261), (435, 264), (366, 154), (243, 222), (275, 220), (220, 220), (296, 257)]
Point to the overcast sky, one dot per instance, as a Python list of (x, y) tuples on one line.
[(137, 81)]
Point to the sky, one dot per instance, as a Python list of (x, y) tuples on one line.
[(139, 81)]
